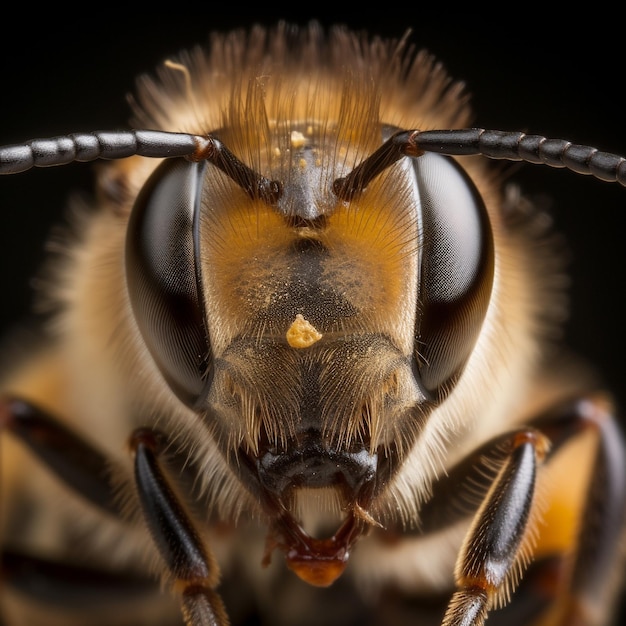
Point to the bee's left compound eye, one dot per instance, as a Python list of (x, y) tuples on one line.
[(457, 261), (163, 277)]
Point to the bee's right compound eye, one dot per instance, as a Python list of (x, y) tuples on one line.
[(457, 265), (163, 276)]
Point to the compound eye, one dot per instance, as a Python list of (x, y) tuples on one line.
[(163, 277), (457, 266)]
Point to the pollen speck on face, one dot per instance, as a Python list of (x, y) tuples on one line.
[(297, 139), (302, 334)]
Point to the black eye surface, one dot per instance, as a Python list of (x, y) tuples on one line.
[(163, 276), (457, 267)]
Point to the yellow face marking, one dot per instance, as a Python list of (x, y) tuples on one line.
[(302, 334)]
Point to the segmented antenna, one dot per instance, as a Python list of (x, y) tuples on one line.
[(85, 147), (494, 144), (518, 146)]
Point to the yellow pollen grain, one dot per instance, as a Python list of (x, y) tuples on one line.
[(302, 334), (297, 139)]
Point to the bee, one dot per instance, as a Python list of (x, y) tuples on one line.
[(298, 362)]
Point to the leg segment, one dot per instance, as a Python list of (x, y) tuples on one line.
[(591, 588), (193, 568), (86, 470), (492, 550), (570, 584), (72, 587), (77, 463)]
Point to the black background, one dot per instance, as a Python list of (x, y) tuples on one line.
[(561, 79)]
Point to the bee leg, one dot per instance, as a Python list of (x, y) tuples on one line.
[(71, 587), (578, 580), (77, 463), (193, 568), (590, 587), (492, 549), (68, 586)]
